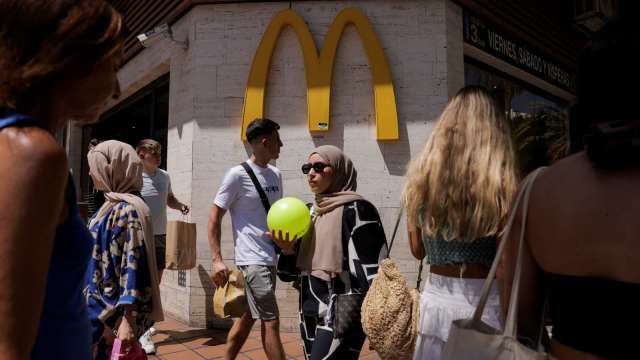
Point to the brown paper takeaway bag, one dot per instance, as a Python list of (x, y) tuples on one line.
[(229, 300), (181, 245)]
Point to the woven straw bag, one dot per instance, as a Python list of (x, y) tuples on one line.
[(390, 311)]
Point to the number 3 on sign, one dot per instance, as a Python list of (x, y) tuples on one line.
[(474, 33)]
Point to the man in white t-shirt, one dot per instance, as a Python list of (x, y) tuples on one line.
[(255, 253), (156, 192)]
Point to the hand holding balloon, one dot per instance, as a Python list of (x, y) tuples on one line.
[(283, 241), (288, 220)]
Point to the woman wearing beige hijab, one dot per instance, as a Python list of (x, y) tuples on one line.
[(122, 289), (338, 256)]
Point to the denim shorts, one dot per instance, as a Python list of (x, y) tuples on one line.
[(260, 286)]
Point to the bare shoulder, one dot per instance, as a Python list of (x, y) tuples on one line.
[(564, 174), (31, 152)]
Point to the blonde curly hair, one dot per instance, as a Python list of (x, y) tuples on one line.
[(463, 180)]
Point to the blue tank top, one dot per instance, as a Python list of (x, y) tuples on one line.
[(64, 329)]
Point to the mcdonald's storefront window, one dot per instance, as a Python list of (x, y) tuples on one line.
[(539, 121)]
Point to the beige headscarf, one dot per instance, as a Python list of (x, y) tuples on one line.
[(116, 170), (321, 252)]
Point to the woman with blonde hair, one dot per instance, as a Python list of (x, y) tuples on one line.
[(457, 193)]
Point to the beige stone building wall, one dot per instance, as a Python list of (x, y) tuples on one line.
[(422, 41)]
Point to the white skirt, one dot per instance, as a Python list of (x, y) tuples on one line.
[(445, 299)]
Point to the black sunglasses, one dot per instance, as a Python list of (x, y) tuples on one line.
[(317, 167)]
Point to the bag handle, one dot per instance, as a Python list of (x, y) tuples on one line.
[(419, 275), (256, 183), (511, 325), (395, 231), (523, 195), (393, 237)]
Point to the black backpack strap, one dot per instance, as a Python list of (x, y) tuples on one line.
[(263, 196)]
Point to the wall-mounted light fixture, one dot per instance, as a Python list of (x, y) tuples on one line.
[(162, 31)]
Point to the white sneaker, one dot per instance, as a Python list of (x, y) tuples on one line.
[(147, 343)]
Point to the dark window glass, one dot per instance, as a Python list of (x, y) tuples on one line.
[(142, 115), (539, 121)]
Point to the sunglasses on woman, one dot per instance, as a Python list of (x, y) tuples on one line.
[(317, 167)]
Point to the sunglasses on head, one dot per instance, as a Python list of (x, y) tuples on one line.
[(317, 167)]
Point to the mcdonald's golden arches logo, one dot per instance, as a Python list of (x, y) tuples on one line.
[(318, 71)]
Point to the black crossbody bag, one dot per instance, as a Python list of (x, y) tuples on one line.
[(346, 308), (286, 267)]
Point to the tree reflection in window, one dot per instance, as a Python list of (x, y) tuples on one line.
[(539, 121)]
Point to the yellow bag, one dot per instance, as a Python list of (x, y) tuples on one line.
[(229, 300), (181, 245)]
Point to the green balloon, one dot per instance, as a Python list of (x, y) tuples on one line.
[(289, 215)]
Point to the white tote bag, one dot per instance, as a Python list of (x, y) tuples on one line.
[(472, 339)]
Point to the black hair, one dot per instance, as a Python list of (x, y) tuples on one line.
[(260, 127), (608, 72), (607, 64)]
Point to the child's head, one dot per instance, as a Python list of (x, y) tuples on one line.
[(150, 152)]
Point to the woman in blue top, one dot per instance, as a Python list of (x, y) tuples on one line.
[(457, 194), (57, 62)]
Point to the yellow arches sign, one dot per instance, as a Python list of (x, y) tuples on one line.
[(318, 70)]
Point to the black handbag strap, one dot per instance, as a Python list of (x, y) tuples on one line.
[(393, 237), (419, 275), (395, 231), (254, 179)]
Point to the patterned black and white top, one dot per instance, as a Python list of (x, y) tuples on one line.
[(363, 239)]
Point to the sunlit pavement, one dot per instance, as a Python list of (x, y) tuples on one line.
[(176, 341)]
